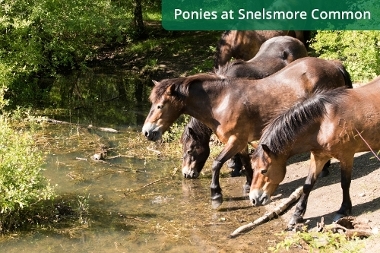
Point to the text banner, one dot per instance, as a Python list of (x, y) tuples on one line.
[(271, 15)]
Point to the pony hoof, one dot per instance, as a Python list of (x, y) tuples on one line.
[(216, 201), (338, 216), (294, 223)]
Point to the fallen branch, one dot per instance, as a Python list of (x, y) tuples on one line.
[(348, 225), (102, 129), (148, 184), (269, 215), (151, 183), (154, 150), (136, 219), (81, 158)]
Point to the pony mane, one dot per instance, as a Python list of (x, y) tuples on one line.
[(223, 70), (221, 42), (283, 129), (180, 86), (200, 130)]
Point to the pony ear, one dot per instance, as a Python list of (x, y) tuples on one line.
[(192, 133), (266, 149), (170, 90), (155, 82)]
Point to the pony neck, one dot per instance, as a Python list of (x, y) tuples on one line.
[(305, 141), (198, 103)]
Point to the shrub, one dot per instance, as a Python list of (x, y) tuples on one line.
[(44, 37), (358, 50), (21, 181)]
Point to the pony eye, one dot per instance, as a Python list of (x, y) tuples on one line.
[(264, 171), (159, 107)]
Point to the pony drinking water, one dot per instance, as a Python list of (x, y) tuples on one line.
[(337, 123), (236, 109), (274, 54)]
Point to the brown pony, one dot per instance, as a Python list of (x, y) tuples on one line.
[(274, 54), (245, 44), (335, 123), (236, 109)]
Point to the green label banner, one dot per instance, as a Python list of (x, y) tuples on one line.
[(271, 15)]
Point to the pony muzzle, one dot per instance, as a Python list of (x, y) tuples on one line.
[(259, 197), (189, 173), (152, 132)]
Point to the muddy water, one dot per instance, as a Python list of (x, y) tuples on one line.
[(136, 200)]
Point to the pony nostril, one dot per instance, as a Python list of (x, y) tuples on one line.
[(253, 202), (146, 133)]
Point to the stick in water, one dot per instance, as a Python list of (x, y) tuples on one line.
[(269, 215)]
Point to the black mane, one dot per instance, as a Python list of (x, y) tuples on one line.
[(201, 133), (179, 85), (283, 129), (221, 42)]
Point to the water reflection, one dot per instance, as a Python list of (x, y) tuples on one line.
[(101, 94), (136, 201)]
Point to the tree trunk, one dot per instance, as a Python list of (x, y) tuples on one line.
[(138, 19)]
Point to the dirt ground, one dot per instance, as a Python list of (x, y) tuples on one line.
[(326, 197)]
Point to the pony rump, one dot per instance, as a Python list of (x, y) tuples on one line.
[(283, 129), (346, 75)]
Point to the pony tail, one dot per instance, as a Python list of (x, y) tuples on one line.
[(346, 75)]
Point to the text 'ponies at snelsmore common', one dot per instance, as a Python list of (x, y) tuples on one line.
[(274, 15)]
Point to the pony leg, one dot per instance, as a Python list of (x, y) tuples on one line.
[(346, 173), (245, 159), (325, 171), (216, 191), (316, 166), (236, 165)]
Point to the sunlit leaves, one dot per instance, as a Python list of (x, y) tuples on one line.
[(359, 51), (21, 180)]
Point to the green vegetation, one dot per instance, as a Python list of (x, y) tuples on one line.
[(45, 39), (317, 242), (21, 181), (42, 38), (358, 50)]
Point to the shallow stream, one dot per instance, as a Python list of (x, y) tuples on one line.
[(136, 199)]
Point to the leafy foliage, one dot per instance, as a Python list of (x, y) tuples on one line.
[(358, 50), (21, 181), (317, 242), (44, 37)]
